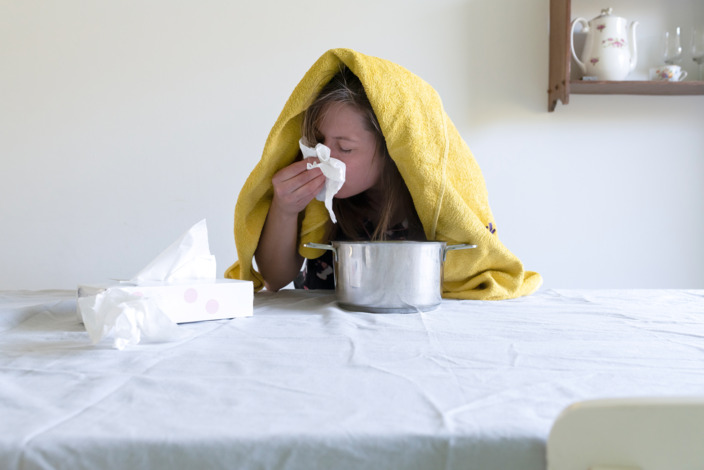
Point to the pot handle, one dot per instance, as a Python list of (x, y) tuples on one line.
[(461, 246), (321, 246)]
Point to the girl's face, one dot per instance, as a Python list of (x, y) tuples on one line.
[(343, 130)]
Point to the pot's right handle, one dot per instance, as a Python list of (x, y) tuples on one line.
[(321, 246), (461, 246)]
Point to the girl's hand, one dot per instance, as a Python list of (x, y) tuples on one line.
[(295, 186)]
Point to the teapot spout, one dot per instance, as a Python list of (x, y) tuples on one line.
[(632, 45)]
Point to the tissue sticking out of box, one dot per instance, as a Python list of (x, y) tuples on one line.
[(187, 258), (178, 286)]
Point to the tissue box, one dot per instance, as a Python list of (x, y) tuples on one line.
[(186, 301)]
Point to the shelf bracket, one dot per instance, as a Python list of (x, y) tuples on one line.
[(558, 79)]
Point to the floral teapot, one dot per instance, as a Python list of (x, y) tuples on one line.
[(610, 48)]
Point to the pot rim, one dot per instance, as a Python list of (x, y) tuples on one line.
[(388, 242)]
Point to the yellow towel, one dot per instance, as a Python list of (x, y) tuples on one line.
[(442, 176)]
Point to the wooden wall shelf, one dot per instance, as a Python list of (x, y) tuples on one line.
[(580, 87), (560, 87)]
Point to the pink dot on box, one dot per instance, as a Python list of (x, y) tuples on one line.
[(191, 295), (212, 306)]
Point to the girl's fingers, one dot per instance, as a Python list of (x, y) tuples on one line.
[(293, 170), (297, 181), (295, 186), (295, 175), (308, 190)]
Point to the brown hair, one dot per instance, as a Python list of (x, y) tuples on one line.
[(353, 212)]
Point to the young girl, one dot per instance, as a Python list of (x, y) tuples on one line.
[(409, 174), (373, 203)]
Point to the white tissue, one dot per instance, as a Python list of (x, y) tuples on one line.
[(128, 316), (187, 258), (131, 316), (332, 168)]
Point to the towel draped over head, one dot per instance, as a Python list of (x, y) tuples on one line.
[(444, 180)]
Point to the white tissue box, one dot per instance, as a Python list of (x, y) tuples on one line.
[(186, 301)]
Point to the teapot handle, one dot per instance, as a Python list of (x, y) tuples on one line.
[(585, 28)]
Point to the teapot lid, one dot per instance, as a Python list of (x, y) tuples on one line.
[(605, 12)]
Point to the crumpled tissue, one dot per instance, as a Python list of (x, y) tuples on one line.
[(178, 286), (129, 316), (332, 168)]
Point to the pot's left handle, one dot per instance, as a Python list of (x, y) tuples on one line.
[(461, 246), (321, 246)]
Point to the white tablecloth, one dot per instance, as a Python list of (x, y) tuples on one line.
[(303, 384)]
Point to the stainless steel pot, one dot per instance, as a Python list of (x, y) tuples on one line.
[(389, 276)]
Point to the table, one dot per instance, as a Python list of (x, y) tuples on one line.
[(303, 384)]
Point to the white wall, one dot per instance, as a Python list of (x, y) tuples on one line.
[(124, 122)]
